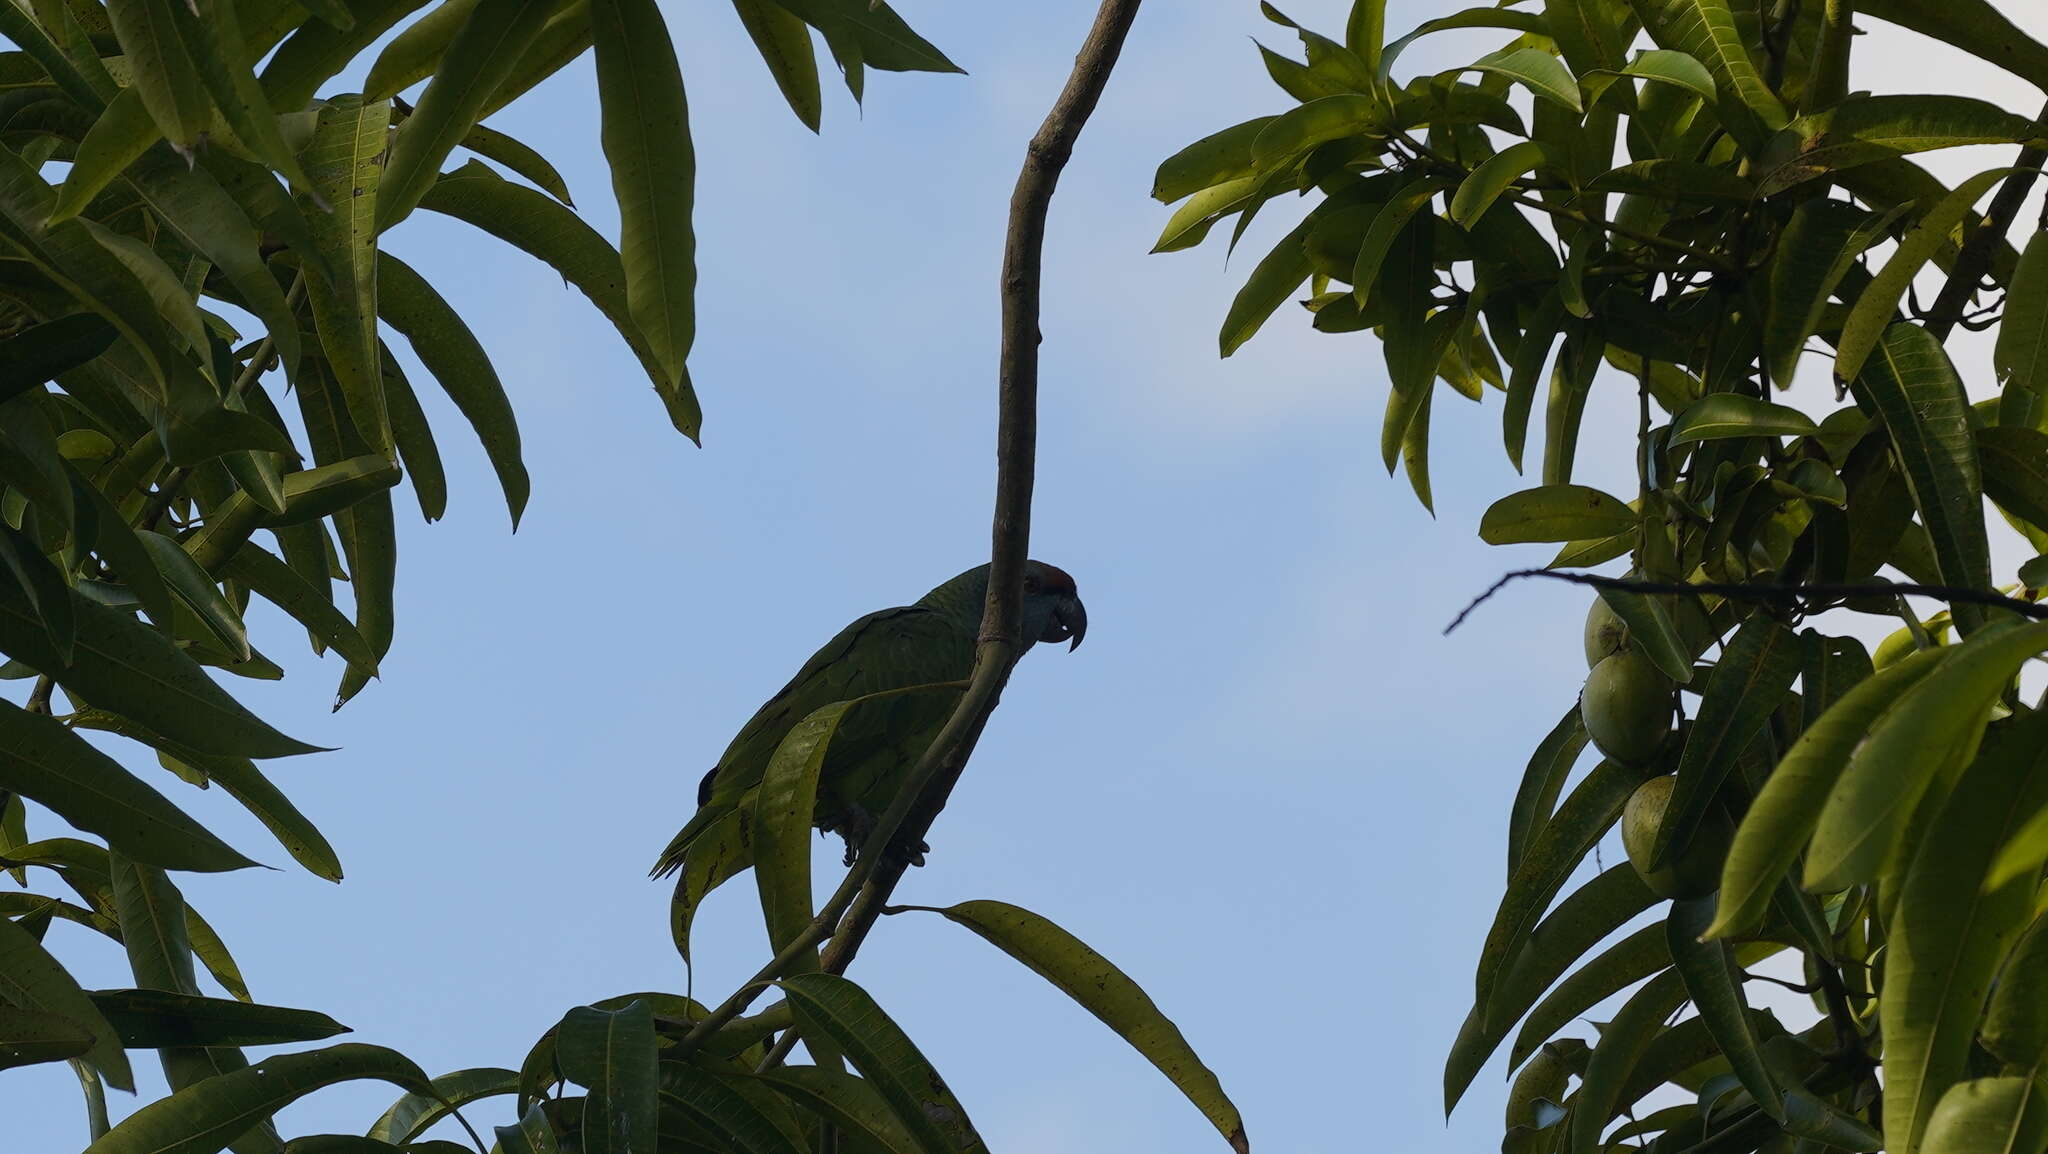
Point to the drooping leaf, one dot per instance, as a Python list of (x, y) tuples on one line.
[(1775, 828), (1889, 771), (541, 226), (886, 1057), (1103, 990), (646, 135), (33, 980), (1914, 388), (2020, 356), (1539, 72), (481, 54), (199, 1118), (1542, 781), (1555, 513), (170, 83), (124, 665), (1988, 1116), (612, 1053), (1615, 1057), (1819, 246), (784, 42), (2015, 467), (343, 162), (1706, 31), (1757, 667), (1714, 983), (850, 1103), (411, 1115), (457, 359), (1948, 934), (29, 1037), (1273, 280), (45, 762), (1975, 26)]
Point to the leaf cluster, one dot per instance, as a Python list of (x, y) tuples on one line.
[(1685, 202)]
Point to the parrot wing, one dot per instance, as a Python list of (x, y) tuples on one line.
[(891, 649)]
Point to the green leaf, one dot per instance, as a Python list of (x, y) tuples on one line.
[(1718, 416), (170, 82), (1555, 513), (2015, 466), (1588, 812), (1539, 72), (476, 62), (315, 53), (1219, 158), (1274, 279), (1866, 129), (344, 163), (1714, 983), (118, 138), (33, 980), (1581, 920), (541, 226), (28, 1037), (2034, 574), (1988, 1116), (266, 575), (1394, 224), (1871, 317), (1293, 133), (883, 40), (413, 54), (1706, 31), (201, 1117), (47, 763), (1525, 367), (520, 158), (457, 359), (192, 585), (411, 1115), (1756, 670), (1668, 179), (1542, 781), (1571, 380), (887, 1058), (157, 1019), (2020, 358), (646, 135), (1666, 66), (1914, 388), (1778, 822), (533, 1134), (126, 666), (1947, 935), (42, 352), (748, 1124), (1819, 246), (564, 39), (1492, 177), (1098, 986), (2016, 1019), (1626, 962), (1908, 745), (613, 1055), (1615, 1057), (212, 33), (784, 42), (850, 1103)]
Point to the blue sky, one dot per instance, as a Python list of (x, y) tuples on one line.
[(1268, 789)]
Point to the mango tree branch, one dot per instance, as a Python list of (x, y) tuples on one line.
[(1779, 594), (1975, 258), (853, 907), (1016, 437)]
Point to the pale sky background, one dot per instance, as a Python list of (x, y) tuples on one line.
[(1269, 789)]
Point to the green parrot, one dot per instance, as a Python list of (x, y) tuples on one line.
[(878, 742)]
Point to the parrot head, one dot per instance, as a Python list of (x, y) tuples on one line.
[(1052, 606)]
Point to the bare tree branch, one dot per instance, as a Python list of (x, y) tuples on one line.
[(853, 907), (1776, 594)]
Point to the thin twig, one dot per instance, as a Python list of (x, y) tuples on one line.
[(1768, 593), (1975, 258), (847, 914), (39, 697)]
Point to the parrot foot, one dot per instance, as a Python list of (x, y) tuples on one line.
[(854, 830)]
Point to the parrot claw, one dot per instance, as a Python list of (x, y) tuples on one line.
[(856, 827)]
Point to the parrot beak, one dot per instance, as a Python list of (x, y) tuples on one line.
[(1069, 620)]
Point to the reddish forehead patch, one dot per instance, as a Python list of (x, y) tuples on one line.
[(1052, 577)]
